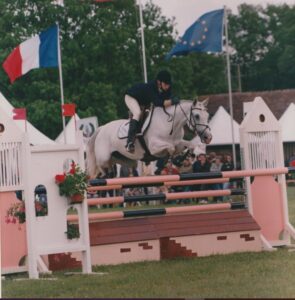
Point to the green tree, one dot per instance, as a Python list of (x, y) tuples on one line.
[(264, 40), (101, 58)]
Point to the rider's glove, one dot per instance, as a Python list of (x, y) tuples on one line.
[(174, 100)]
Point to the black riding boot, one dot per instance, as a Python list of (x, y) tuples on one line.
[(133, 127)]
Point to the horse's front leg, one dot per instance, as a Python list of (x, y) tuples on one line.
[(158, 148), (182, 145)]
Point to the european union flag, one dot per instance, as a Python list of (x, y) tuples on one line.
[(205, 35)]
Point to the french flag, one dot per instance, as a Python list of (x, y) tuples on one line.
[(41, 51)]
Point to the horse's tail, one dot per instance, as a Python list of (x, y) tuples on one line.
[(91, 167)]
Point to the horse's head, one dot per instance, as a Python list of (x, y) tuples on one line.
[(198, 121)]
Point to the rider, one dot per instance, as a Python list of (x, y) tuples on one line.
[(157, 92)]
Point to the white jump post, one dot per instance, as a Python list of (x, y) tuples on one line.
[(262, 147), (24, 167)]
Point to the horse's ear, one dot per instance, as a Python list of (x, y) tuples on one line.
[(195, 100), (205, 102)]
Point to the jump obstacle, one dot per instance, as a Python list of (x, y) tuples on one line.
[(195, 230), (182, 238)]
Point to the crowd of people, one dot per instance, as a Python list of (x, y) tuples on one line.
[(186, 163), (202, 163)]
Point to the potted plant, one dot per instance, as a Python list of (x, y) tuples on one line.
[(72, 184), (17, 212), (72, 231)]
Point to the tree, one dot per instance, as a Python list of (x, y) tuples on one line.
[(264, 42), (101, 58)]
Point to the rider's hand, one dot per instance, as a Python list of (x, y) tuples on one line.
[(167, 103)]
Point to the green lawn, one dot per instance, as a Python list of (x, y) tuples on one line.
[(240, 275)]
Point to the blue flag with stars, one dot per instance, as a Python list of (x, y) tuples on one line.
[(205, 35)]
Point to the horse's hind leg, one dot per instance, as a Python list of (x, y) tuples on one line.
[(110, 172)]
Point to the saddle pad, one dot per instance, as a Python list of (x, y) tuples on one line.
[(123, 129)]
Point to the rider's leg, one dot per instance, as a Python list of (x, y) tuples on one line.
[(134, 107)]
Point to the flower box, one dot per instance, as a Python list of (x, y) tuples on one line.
[(72, 184)]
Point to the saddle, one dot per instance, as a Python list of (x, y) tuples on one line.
[(144, 124)]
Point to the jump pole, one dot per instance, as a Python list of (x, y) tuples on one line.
[(160, 211), (163, 196), (168, 183), (145, 180)]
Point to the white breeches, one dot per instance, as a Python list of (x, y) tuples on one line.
[(133, 106)]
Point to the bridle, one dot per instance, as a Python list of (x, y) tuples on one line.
[(192, 122)]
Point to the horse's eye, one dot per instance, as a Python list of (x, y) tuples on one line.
[(197, 116)]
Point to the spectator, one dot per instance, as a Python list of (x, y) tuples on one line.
[(109, 193), (160, 164), (227, 163), (147, 170), (134, 191), (124, 171), (227, 166), (169, 169), (211, 157), (216, 167), (192, 158), (185, 168), (201, 165), (291, 160), (134, 172)]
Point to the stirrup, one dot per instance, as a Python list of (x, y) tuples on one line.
[(130, 147)]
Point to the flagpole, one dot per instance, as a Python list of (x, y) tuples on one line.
[(229, 88), (61, 84), (140, 164), (142, 42)]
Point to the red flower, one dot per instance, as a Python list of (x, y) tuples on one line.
[(60, 178), (38, 206)]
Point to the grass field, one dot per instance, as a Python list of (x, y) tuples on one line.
[(240, 275)]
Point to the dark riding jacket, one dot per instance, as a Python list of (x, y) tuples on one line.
[(147, 93)]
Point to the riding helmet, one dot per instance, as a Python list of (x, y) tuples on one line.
[(164, 76)]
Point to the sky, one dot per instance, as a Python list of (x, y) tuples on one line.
[(187, 12)]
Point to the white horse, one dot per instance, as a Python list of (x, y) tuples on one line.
[(163, 136)]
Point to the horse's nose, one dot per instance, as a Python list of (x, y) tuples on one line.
[(208, 138)]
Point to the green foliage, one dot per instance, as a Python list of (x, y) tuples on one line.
[(102, 56), (264, 40), (72, 231)]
